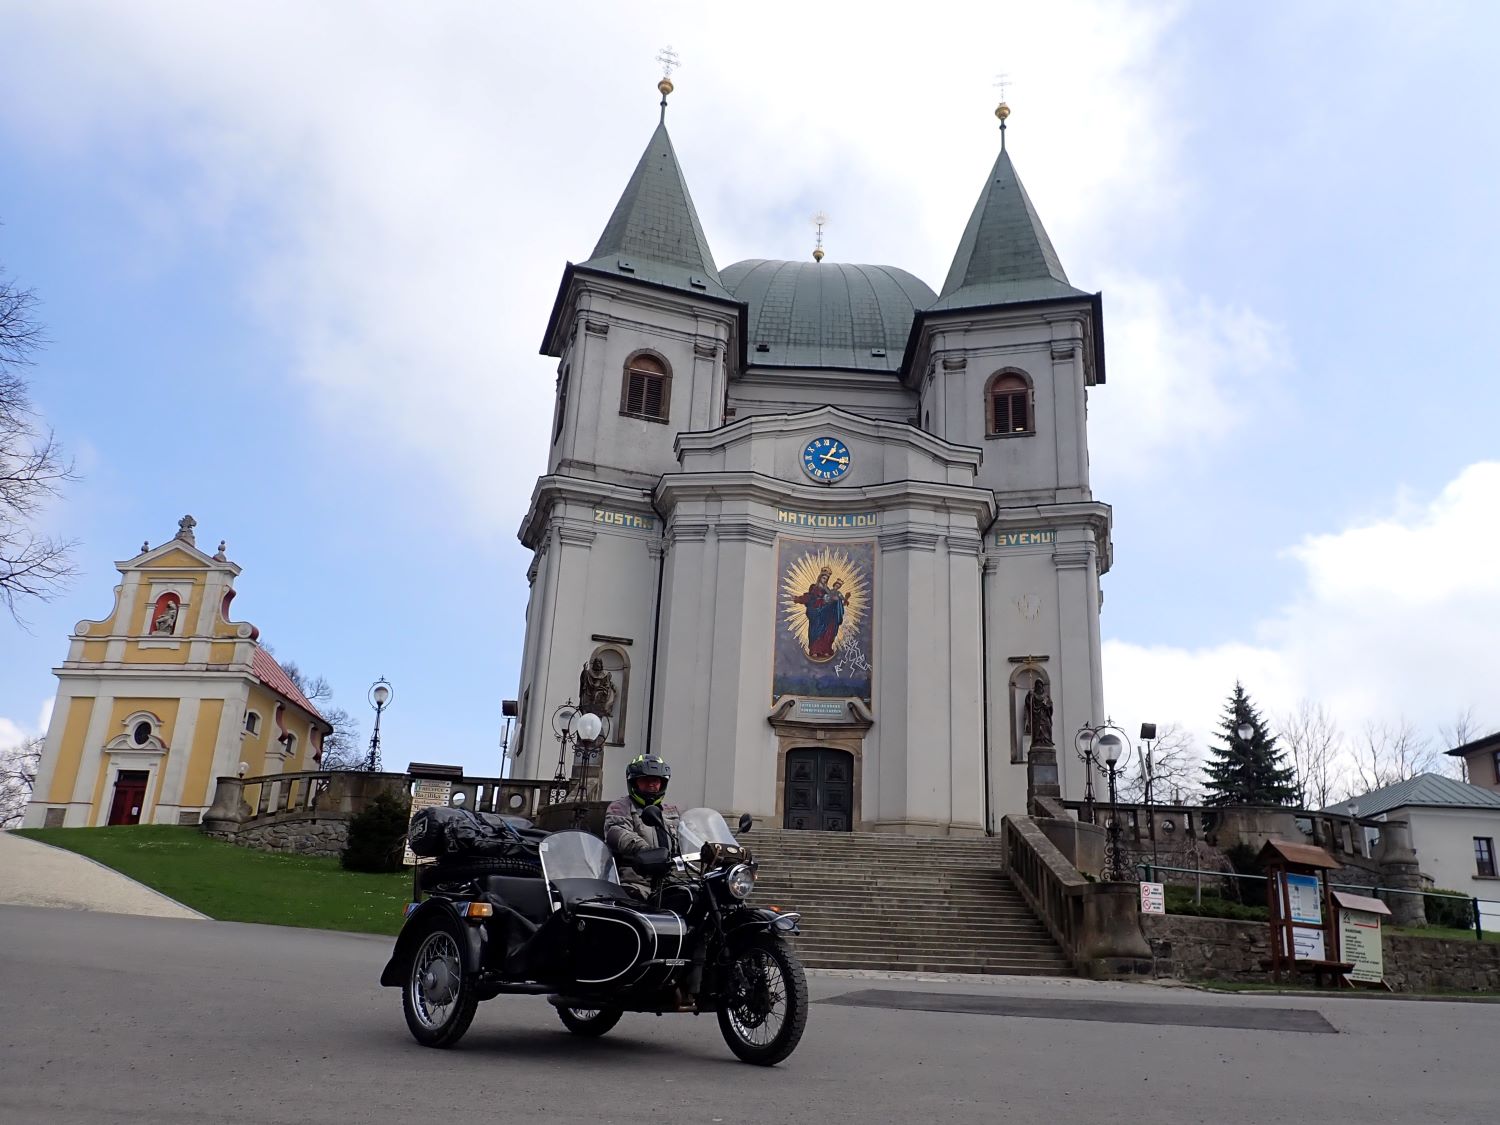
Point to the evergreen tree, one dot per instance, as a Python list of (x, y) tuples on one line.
[(1249, 771)]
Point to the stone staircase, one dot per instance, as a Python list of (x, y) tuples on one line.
[(902, 903)]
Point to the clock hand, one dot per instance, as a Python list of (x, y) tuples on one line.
[(836, 460)]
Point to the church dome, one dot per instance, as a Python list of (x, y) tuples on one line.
[(826, 314)]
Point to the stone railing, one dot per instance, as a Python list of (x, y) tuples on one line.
[(308, 812), (1097, 924)]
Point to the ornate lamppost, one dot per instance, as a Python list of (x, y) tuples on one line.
[(579, 729), (1111, 745), (1083, 743), (380, 696)]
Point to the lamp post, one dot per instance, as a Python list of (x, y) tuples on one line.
[(1111, 745), (1083, 743), (581, 730), (1148, 775), (380, 696)]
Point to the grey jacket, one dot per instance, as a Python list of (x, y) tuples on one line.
[(626, 833)]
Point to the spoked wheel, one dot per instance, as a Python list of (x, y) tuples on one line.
[(591, 1022), (438, 1001), (766, 1008)]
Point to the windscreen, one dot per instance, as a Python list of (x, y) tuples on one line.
[(577, 855), (702, 826)]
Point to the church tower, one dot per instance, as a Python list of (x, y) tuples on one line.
[(1005, 360), (644, 333)]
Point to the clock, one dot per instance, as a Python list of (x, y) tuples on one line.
[(825, 459)]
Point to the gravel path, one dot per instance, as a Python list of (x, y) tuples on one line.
[(37, 874)]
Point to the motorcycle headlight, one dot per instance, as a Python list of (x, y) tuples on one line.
[(740, 880)]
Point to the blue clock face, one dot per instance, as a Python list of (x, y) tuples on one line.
[(825, 458)]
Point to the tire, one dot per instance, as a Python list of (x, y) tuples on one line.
[(473, 867), (588, 1022), (763, 1016), (436, 997)]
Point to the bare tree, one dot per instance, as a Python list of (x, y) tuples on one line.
[(18, 768), (32, 466), (341, 748), (1464, 728), (1386, 753), (1316, 744), (1175, 768)]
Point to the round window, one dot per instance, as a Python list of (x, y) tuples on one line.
[(142, 733)]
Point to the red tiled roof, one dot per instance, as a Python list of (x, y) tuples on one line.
[(274, 676)]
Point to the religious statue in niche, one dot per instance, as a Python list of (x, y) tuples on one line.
[(1038, 714), (596, 690), (164, 615)]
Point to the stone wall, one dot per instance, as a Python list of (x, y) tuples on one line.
[(296, 833), (1191, 948)]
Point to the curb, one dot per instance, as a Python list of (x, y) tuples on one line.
[(152, 891)]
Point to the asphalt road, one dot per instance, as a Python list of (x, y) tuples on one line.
[(110, 1018)]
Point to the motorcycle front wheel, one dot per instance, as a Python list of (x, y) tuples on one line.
[(590, 1022), (438, 1000), (765, 1008)]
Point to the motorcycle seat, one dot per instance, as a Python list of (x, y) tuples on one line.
[(528, 897)]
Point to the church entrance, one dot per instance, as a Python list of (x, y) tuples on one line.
[(130, 797), (819, 790)]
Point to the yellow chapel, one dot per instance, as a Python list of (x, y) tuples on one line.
[(164, 695)]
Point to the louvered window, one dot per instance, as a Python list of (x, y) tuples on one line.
[(646, 391), (1010, 405)]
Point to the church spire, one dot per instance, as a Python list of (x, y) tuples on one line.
[(1004, 256), (654, 234)]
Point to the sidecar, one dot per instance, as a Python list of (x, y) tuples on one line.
[(571, 930)]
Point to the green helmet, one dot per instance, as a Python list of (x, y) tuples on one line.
[(647, 765)]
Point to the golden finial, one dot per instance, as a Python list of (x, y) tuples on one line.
[(1002, 111), (669, 62), (820, 220)]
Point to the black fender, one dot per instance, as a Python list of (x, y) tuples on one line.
[(418, 925), (745, 925)]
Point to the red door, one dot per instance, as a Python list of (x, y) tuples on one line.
[(130, 797)]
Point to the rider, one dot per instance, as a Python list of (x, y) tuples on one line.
[(625, 832)]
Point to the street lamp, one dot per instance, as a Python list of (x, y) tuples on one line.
[(380, 696), (1111, 745), (581, 729), (1083, 743)]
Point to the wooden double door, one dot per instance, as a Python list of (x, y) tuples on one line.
[(130, 797), (819, 790)]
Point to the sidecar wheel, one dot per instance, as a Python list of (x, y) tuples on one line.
[(589, 1022), (763, 1015), (438, 1000)]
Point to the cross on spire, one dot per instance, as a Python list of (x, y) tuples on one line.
[(820, 220), (669, 62), (1002, 111)]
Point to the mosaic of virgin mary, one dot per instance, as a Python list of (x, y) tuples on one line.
[(823, 602)]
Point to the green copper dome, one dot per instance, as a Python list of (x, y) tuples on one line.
[(826, 314)]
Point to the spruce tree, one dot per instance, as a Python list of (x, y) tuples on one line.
[(1249, 771)]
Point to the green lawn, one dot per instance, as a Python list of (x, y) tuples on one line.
[(240, 885)]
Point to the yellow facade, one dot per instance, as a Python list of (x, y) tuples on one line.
[(153, 700)]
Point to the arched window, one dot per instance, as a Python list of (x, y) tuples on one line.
[(1008, 404), (645, 391), (252, 723)]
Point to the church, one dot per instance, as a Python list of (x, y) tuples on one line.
[(828, 532)]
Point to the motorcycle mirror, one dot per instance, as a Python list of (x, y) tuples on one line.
[(651, 815), (746, 822)]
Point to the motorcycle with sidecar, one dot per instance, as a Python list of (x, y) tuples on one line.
[(552, 918)]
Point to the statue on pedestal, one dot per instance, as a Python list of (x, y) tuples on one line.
[(1038, 714), (596, 690)]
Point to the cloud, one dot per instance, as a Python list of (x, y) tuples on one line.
[(399, 190), (14, 732), (1189, 371), (1395, 617)]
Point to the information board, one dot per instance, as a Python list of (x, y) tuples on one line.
[(1304, 905), (426, 792), (1359, 944), (1153, 898)]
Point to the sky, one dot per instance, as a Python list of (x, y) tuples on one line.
[(295, 260)]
